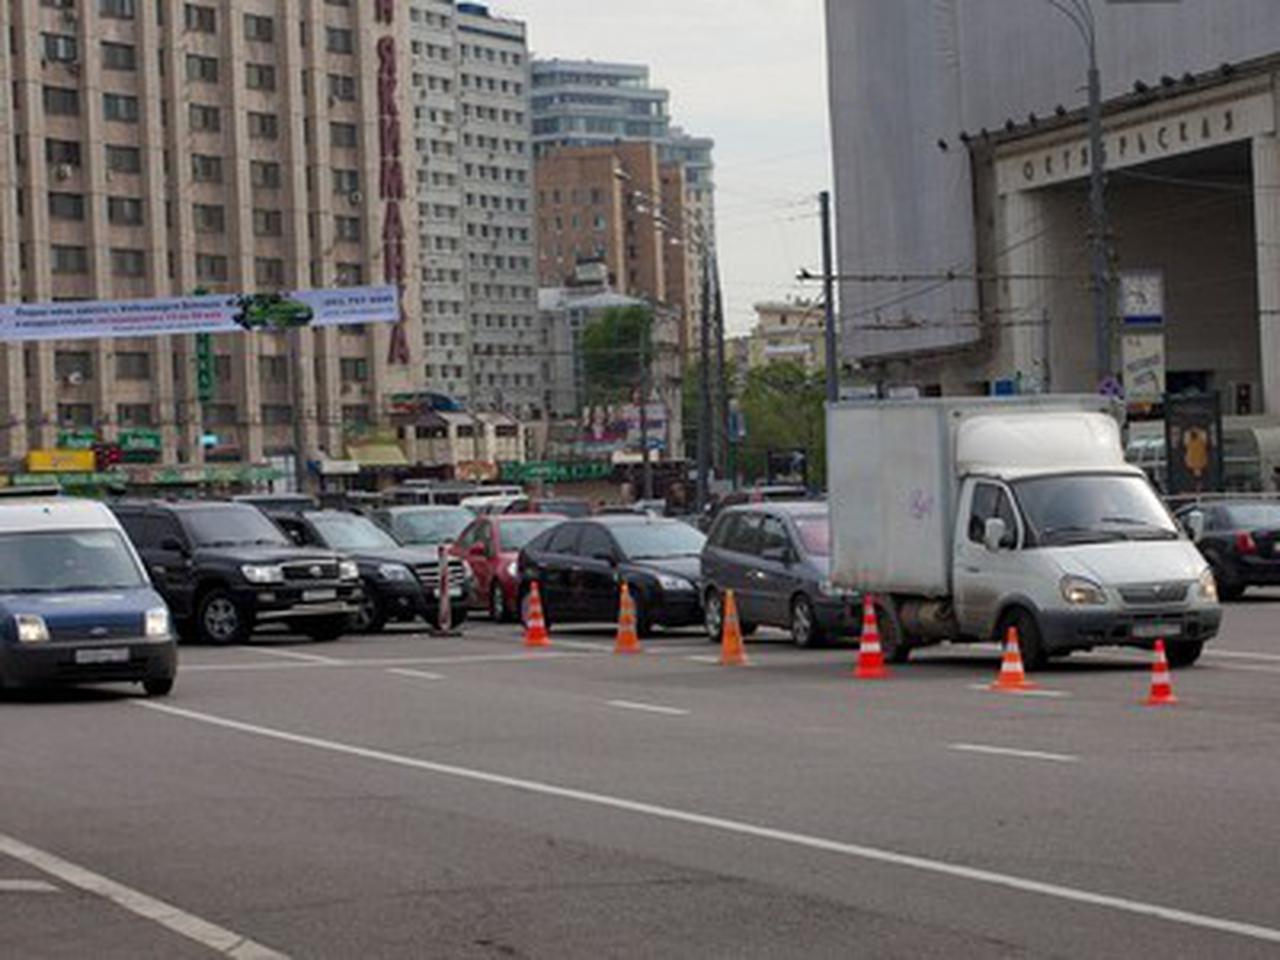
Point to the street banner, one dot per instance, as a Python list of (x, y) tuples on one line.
[(214, 313), (1143, 363), (1193, 443)]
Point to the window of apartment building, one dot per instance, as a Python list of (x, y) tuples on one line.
[(259, 76), (120, 107), (273, 369), (134, 415), (264, 173), (222, 368), (268, 223), (338, 40), (62, 152), (355, 414), (66, 206), (124, 211), (124, 159), (277, 414), (347, 228), (61, 101), (202, 69), (209, 217), (75, 414), (263, 126), (354, 369), (204, 119), (342, 134), (201, 19), (73, 365), (349, 274), (59, 48), (220, 414), (211, 267), (127, 263), (259, 29), (70, 259), (346, 182), (268, 272), (117, 9), (205, 168), (133, 366), (119, 56), (342, 87)]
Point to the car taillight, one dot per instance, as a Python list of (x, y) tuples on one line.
[(1245, 543)]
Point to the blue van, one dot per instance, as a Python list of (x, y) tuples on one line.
[(76, 605)]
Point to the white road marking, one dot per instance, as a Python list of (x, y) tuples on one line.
[(704, 658), (1242, 654), (210, 935), (26, 886), (1246, 668), (387, 662), (415, 674), (986, 688), (1010, 752), (295, 655), (648, 708), (743, 828)]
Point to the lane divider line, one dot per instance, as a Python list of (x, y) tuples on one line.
[(647, 708), (415, 674), (1012, 752), (1050, 694), (295, 655), (743, 828), (374, 663), (1241, 655), (216, 938), (27, 886)]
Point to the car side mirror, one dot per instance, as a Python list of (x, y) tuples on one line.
[(173, 545), (993, 534), (1195, 524)]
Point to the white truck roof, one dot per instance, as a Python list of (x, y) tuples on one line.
[(1001, 445), (55, 513)]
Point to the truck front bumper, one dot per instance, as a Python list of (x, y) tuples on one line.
[(1064, 630)]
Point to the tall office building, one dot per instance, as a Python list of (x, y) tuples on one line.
[(484, 347), (234, 145)]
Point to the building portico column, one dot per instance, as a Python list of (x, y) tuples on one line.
[(1266, 200)]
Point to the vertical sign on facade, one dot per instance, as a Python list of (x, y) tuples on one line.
[(391, 190), (1193, 443)]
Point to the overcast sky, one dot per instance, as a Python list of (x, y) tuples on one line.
[(751, 74)]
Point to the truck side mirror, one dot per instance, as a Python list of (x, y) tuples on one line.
[(993, 534), (1195, 524)]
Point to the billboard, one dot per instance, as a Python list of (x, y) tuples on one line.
[(1193, 441), (216, 313)]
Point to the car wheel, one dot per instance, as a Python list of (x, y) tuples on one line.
[(713, 615), (221, 621), (499, 612), (370, 617), (1184, 654), (1030, 641), (322, 630), (158, 688), (805, 631)]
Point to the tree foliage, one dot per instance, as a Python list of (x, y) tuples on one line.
[(614, 349)]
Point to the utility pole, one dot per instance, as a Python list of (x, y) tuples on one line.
[(721, 385), (1098, 218), (829, 300), (646, 387), (704, 389)]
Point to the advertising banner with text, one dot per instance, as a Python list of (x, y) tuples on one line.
[(215, 313)]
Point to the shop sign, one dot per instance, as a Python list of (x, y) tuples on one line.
[(139, 441), (77, 439), (552, 471), (61, 461), (476, 471)]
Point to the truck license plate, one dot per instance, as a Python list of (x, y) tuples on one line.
[(103, 655), (316, 596), (1157, 631)]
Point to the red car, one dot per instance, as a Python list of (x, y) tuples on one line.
[(490, 547)]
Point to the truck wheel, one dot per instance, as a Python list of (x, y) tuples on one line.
[(1030, 642), (895, 646), (220, 620), (805, 632), (1184, 654)]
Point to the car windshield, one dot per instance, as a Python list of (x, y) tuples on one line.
[(230, 527), (347, 531), (566, 508), (430, 527), (514, 534), (67, 560), (1254, 516), (1093, 508), (815, 534), (656, 541)]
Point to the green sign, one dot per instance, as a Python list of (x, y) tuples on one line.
[(134, 441), (77, 439), (69, 479), (553, 471), (204, 367)]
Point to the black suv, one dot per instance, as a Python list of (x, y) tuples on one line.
[(224, 568)]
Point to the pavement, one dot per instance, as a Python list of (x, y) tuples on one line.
[(404, 795)]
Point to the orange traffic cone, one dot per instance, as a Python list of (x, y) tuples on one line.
[(535, 627), (1161, 686), (732, 652), (1012, 677), (628, 640), (870, 664)]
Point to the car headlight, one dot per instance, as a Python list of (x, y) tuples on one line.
[(347, 570), (1207, 587), (829, 589), (156, 624), (677, 584), (31, 628), (262, 573), (394, 571), (1080, 592)]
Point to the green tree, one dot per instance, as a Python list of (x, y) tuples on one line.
[(783, 406), (615, 348)]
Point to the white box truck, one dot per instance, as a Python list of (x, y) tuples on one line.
[(966, 516)]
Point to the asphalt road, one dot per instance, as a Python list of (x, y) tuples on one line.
[(412, 796)]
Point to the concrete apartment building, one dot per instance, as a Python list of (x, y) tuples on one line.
[(232, 145), (475, 204), (788, 332)]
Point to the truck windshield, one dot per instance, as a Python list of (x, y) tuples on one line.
[(66, 560), (1093, 508)]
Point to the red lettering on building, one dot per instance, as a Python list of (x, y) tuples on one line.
[(391, 186)]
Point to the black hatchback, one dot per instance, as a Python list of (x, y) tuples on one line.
[(1241, 541), (579, 566)]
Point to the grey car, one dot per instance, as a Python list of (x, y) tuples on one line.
[(774, 557)]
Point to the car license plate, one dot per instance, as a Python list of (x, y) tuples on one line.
[(103, 655), (315, 596), (1157, 631)]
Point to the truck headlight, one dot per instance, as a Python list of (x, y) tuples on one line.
[(31, 628), (156, 624), (512, 569), (394, 571), (262, 573), (674, 584), (1207, 587), (347, 570), (1080, 592)]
